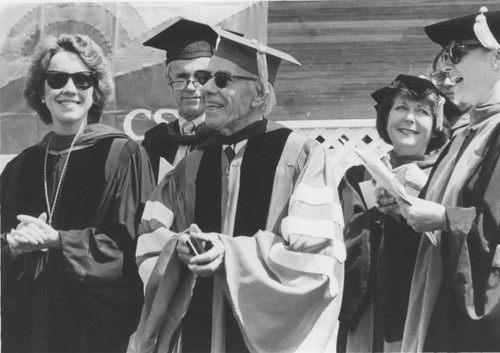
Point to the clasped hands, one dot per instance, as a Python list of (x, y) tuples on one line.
[(208, 263), (33, 234)]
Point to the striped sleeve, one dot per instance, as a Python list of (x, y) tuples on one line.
[(300, 265), (154, 230), (313, 228)]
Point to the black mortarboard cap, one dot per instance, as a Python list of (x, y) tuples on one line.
[(244, 53), (184, 39), (462, 28)]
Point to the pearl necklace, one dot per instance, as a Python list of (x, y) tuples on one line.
[(50, 210)]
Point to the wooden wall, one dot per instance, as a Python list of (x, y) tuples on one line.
[(350, 48)]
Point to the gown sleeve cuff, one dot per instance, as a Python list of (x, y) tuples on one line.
[(460, 219)]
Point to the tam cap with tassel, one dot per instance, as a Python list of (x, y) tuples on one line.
[(483, 26), (252, 56), (483, 32)]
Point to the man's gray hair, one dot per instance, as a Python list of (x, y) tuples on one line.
[(270, 102)]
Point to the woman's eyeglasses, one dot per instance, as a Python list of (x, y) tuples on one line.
[(221, 78), (455, 51), (81, 80)]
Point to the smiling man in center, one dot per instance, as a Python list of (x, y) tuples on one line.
[(262, 199)]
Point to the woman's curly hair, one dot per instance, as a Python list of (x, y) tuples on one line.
[(91, 55), (438, 139)]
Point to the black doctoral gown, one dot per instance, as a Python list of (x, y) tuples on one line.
[(86, 296)]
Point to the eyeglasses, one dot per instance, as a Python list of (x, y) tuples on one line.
[(82, 80), (455, 51), (180, 85), (439, 76), (221, 78)]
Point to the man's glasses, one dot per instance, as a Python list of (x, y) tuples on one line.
[(180, 85), (456, 51), (221, 78), (439, 76), (81, 80)]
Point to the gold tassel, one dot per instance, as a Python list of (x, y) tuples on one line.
[(440, 113), (483, 32), (262, 67)]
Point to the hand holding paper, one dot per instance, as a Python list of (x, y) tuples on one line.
[(388, 181), (386, 203), (379, 172), (424, 216), (410, 175)]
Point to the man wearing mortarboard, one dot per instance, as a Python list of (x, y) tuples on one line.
[(189, 46), (455, 289), (262, 199)]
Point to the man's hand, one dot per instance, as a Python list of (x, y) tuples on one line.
[(423, 215), (182, 249), (208, 263), (33, 234)]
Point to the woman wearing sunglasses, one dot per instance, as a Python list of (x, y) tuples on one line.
[(70, 206), (455, 291), (381, 246)]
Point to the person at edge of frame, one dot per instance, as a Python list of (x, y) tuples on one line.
[(455, 287), (71, 205)]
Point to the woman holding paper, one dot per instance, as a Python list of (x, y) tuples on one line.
[(455, 291), (381, 245)]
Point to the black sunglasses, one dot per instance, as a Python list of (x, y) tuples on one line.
[(221, 78), (455, 51), (82, 80)]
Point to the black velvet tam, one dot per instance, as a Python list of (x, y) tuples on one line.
[(462, 28)]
